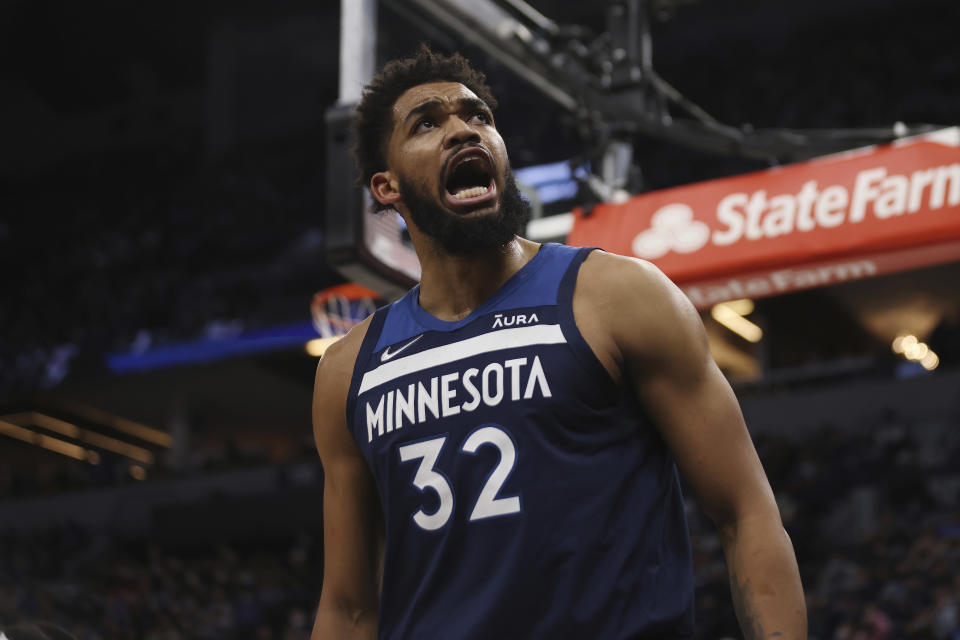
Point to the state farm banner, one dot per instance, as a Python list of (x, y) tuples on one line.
[(828, 211)]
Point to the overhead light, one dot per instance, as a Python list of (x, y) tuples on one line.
[(910, 347), (318, 346), (88, 437), (129, 427), (906, 342), (49, 443), (916, 351), (743, 306), (897, 345), (732, 320), (930, 361)]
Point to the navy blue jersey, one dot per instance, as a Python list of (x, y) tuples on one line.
[(524, 494)]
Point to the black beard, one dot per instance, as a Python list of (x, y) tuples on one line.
[(463, 235)]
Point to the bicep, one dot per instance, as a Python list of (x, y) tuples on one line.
[(701, 422), (694, 408)]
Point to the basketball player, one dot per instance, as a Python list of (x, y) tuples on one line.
[(501, 445)]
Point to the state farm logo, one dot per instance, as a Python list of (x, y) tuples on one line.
[(671, 227), (758, 216)]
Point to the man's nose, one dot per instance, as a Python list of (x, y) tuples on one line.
[(458, 132)]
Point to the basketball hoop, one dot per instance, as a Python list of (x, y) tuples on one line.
[(336, 310)]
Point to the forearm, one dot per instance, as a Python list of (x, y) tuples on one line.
[(344, 623), (764, 580)]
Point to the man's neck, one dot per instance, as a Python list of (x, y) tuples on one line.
[(452, 286)]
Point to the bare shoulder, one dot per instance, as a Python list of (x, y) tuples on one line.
[(615, 279), (341, 356), (643, 312), (332, 384)]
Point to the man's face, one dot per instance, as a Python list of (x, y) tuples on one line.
[(451, 170)]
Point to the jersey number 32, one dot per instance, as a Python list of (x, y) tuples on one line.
[(488, 505)]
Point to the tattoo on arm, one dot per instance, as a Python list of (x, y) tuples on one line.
[(746, 613)]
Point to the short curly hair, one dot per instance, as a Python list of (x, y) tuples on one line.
[(374, 120)]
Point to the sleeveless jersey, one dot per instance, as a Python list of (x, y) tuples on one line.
[(524, 494)]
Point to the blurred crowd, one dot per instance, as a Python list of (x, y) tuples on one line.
[(875, 520), (874, 517), (100, 588), (166, 251)]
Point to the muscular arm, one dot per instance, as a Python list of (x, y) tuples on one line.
[(352, 525), (653, 339)]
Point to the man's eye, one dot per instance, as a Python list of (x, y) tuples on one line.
[(424, 124), (481, 117)]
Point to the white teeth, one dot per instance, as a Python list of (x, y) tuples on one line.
[(472, 192)]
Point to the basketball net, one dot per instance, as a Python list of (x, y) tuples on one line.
[(336, 310)]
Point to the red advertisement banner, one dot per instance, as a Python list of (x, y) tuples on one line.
[(828, 211), (771, 282)]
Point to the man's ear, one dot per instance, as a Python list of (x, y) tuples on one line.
[(385, 188)]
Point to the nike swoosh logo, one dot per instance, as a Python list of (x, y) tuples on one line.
[(386, 355)]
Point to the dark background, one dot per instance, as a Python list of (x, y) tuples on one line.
[(163, 163), (162, 182)]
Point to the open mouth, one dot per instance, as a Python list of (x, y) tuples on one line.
[(470, 179)]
